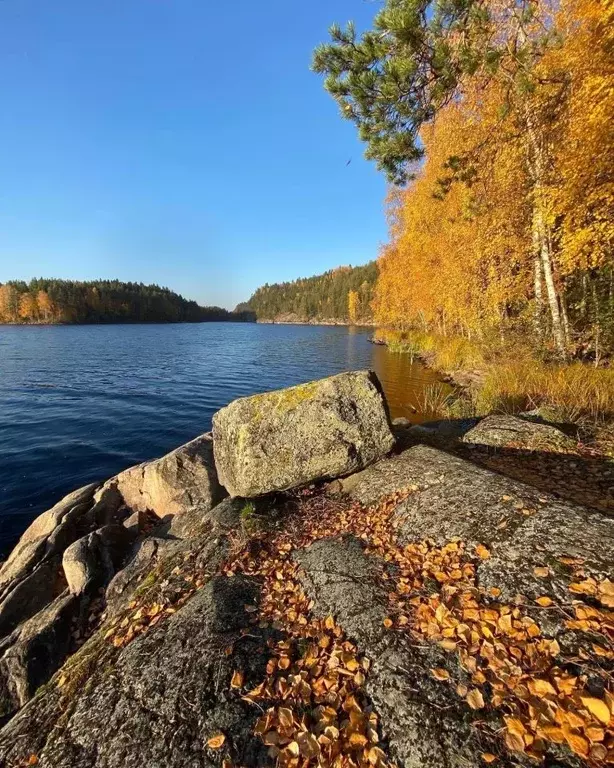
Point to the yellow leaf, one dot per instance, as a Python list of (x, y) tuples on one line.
[(237, 679), (440, 674), (285, 717), (293, 749), (597, 708), (544, 601), (514, 742), (488, 757), (578, 743), (595, 734), (541, 688), (482, 552), (216, 741), (475, 699), (357, 740)]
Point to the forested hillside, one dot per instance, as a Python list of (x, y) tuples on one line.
[(507, 228), (340, 295), (100, 301)]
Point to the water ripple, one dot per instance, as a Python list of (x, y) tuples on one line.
[(80, 403)]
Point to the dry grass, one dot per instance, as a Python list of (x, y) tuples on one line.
[(573, 391), (514, 380)]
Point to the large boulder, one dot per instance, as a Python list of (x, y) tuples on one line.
[(512, 432), (182, 479), (290, 437)]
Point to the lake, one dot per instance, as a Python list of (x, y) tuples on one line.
[(81, 403)]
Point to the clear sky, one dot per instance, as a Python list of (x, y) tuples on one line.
[(183, 142)]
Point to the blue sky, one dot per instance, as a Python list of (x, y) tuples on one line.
[(183, 142)]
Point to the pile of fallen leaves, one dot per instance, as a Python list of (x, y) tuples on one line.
[(316, 676), (144, 612)]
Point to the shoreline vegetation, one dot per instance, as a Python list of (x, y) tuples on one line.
[(507, 378), (73, 302)]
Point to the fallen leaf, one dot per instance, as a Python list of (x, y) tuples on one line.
[(237, 679), (578, 744), (357, 740), (597, 708), (475, 699), (216, 741), (544, 601), (488, 757), (541, 572), (514, 742), (293, 749), (285, 717), (440, 674)]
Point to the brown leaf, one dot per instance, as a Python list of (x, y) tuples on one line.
[(237, 679), (541, 571), (488, 757), (440, 674)]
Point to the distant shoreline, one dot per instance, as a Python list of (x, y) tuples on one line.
[(122, 322), (346, 323)]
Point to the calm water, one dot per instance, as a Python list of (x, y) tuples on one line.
[(80, 403)]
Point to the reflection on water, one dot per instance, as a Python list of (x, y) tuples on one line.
[(80, 403)]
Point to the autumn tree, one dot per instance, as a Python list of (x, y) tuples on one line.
[(529, 79), (28, 308), (352, 306), (45, 305), (9, 303)]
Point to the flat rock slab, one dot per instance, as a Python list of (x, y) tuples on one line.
[(422, 723), (503, 431), (291, 437), (524, 528)]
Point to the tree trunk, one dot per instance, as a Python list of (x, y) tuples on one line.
[(540, 229), (565, 318), (537, 285)]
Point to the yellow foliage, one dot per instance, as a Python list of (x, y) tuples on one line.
[(515, 199)]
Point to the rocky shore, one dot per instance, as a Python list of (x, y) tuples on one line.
[(310, 585)]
